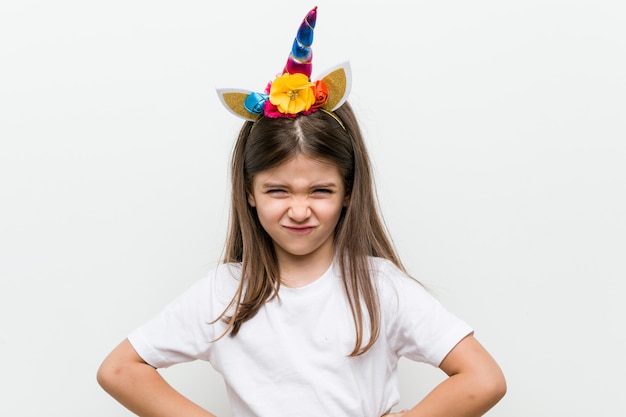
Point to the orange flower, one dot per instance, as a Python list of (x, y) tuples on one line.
[(320, 91), (292, 93)]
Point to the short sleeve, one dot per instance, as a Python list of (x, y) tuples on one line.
[(417, 325), (184, 330)]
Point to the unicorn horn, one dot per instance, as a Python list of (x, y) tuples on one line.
[(301, 56)]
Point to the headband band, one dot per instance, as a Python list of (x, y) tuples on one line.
[(334, 116)]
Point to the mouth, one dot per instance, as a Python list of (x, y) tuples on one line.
[(299, 229)]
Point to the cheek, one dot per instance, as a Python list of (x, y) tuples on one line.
[(270, 209), (331, 211)]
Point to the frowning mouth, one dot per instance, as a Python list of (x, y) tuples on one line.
[(299, 229)]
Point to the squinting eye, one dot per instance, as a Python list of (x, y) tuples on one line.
[(323, 191), (276, 191)]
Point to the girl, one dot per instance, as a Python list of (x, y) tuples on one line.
[(311, 309)]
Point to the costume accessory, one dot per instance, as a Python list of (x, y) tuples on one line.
[(292, 93)]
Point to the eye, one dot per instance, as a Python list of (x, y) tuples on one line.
[(322, 191), (276, 192)]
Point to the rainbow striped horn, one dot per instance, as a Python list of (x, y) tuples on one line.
[(301, 56)]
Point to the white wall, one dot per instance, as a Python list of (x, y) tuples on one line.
[(497, 131)]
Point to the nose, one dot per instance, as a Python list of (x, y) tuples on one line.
[(299, 210)]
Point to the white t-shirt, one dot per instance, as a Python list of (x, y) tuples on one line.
[(291, 358)]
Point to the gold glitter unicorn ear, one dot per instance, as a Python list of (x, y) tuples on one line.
[(234, 100), (293, 93), (338, 80)]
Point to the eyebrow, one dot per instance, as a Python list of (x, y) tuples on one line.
[(270, 184)]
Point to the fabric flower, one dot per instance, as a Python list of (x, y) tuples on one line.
[(254, 103), (320, 91), (292, 93)]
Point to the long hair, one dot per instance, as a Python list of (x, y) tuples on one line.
[(360, 231)]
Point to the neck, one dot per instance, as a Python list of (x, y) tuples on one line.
[(298, 271)]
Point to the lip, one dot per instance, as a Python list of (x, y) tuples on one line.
[(299, 229)]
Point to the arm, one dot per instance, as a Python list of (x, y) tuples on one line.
[(475, 384), (140, 388)]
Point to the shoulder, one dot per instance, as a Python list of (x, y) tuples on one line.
[(223, 280), (383, 266), (214, 290), (397, 290), (389, 277), (229, 271)]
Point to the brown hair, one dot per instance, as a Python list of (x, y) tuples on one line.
[(360, 232)]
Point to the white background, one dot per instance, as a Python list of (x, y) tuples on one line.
[(497, 131)]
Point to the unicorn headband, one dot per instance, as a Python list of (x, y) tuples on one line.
[(293, 93)]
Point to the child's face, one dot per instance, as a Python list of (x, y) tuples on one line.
[(299, 204)]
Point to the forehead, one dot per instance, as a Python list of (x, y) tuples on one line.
[(301, 169)]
